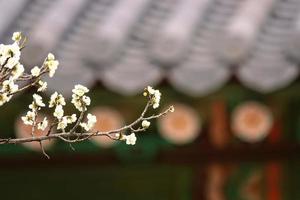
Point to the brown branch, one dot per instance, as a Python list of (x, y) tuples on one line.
[(32, 84), (73, 135), (77, 122), (43, 150), (57, 135), (87, 135)]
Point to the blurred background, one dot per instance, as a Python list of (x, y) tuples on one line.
[(230, 68)]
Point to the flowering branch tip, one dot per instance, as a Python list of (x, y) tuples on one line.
[(71, 128)]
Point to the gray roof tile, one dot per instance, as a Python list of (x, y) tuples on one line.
[(131, 76), (55, 20), (199, 79), (268, 68), (10, 10), (128, 44), (174, 37)]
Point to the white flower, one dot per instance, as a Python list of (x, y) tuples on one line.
[(12, 62), (17, 71), (62, 124), (64, 121), (17, 36), (85, 126), (10, 54), (80, 90), (29, 118), (171, 109), (59, 112), (150, 90), (38, 100), (119, 136), (156, 99), (71, 119), (3, 98), (9, 86), (56, 99), (77, 102), (80, 100), (3, 54), (155, 105), (130, 139), (35, 71), (86, 100), (43, 124), (14, 50), (33, 106), (155, 96), (80, 103), (50, 56), (51, 64), (42, 86), (145, 124), (90, 123), (92, 119)]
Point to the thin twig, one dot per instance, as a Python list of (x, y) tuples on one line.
[(43, 150), (84, 136)]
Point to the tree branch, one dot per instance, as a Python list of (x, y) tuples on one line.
[(78, 137)]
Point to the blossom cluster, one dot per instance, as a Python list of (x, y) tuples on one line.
[(154, 100), (79, 99), (12, 72), (31, 116), (11, 68), (154, 96), (129, 139), (57, 101)]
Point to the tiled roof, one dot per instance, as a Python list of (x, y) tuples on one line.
[(197, 45)]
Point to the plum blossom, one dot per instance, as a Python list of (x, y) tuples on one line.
[(42, 86), (145, 124), (37, 102), (171, 109), (9, 86), (17, 71), (79, 99), (56, 99), (71, 119), (43, 124), (154, 95), (29, 118), (80, 90), (62, 124), (9, 55), (59, 112), (130, 139), (90, 123), (17, 36), (64, 121), (35, 71), (51, 64)]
